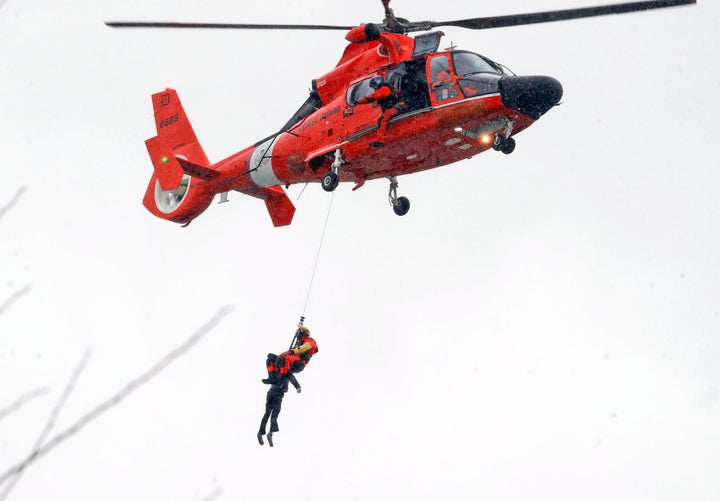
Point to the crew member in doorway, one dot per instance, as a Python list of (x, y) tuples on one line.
[(390, 100)]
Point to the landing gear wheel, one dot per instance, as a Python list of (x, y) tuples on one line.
[(504, 144), (401, 206), (330, 181), (509, 146)]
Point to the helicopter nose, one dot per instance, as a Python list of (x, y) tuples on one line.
[(533, 96)]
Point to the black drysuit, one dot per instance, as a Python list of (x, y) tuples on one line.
[(273, 401)]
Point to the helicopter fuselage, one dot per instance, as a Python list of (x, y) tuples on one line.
[(455, 105)]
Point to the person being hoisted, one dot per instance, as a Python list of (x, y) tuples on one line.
[(281, 369), (390, 100), (293, 360)]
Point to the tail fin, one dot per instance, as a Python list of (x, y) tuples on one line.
[(172, 122), (184, 183), (176, 138), (171, 193)]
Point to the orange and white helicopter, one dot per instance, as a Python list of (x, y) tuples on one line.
[(456, 104)]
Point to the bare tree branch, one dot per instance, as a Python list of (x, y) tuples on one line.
[(116, 399), (17, 404), (14, 297), (213, 495), (14, 200), (48, 425)]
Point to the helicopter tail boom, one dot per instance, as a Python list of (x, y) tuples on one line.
[(184, 182)]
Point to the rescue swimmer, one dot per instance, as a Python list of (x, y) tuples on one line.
[(281, 371)]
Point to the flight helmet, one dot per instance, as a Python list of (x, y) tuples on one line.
[(376, 82)]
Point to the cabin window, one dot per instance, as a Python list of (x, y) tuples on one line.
[(358, 91), (442, 84)]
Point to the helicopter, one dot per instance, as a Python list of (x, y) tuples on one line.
[(455, 104)]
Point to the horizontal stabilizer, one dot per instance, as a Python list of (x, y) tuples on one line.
[(197, 170)]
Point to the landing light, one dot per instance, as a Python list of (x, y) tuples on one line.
[(486, 138)]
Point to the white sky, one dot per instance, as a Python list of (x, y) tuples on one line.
[(543, 325)]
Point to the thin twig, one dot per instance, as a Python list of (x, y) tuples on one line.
[(14, 200), (17, 404), (14, 297), (48, 425), (119, 396), (213, 495)]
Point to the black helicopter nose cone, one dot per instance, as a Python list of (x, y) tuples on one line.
[(533, 96)]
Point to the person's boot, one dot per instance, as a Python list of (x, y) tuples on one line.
[(259, 436), (269, 436)]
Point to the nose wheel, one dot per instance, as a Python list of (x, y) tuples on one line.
[(400, 205)]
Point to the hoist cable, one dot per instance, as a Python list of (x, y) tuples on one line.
[(317, 257), (303, 191)]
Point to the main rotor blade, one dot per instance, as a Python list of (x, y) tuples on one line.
[(479, 23), (223, 26), (484, 23)]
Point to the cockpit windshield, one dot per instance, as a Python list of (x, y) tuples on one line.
[(467, 63), (476, 75)]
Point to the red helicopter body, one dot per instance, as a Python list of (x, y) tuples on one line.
[(451, 105), (445, 121)]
